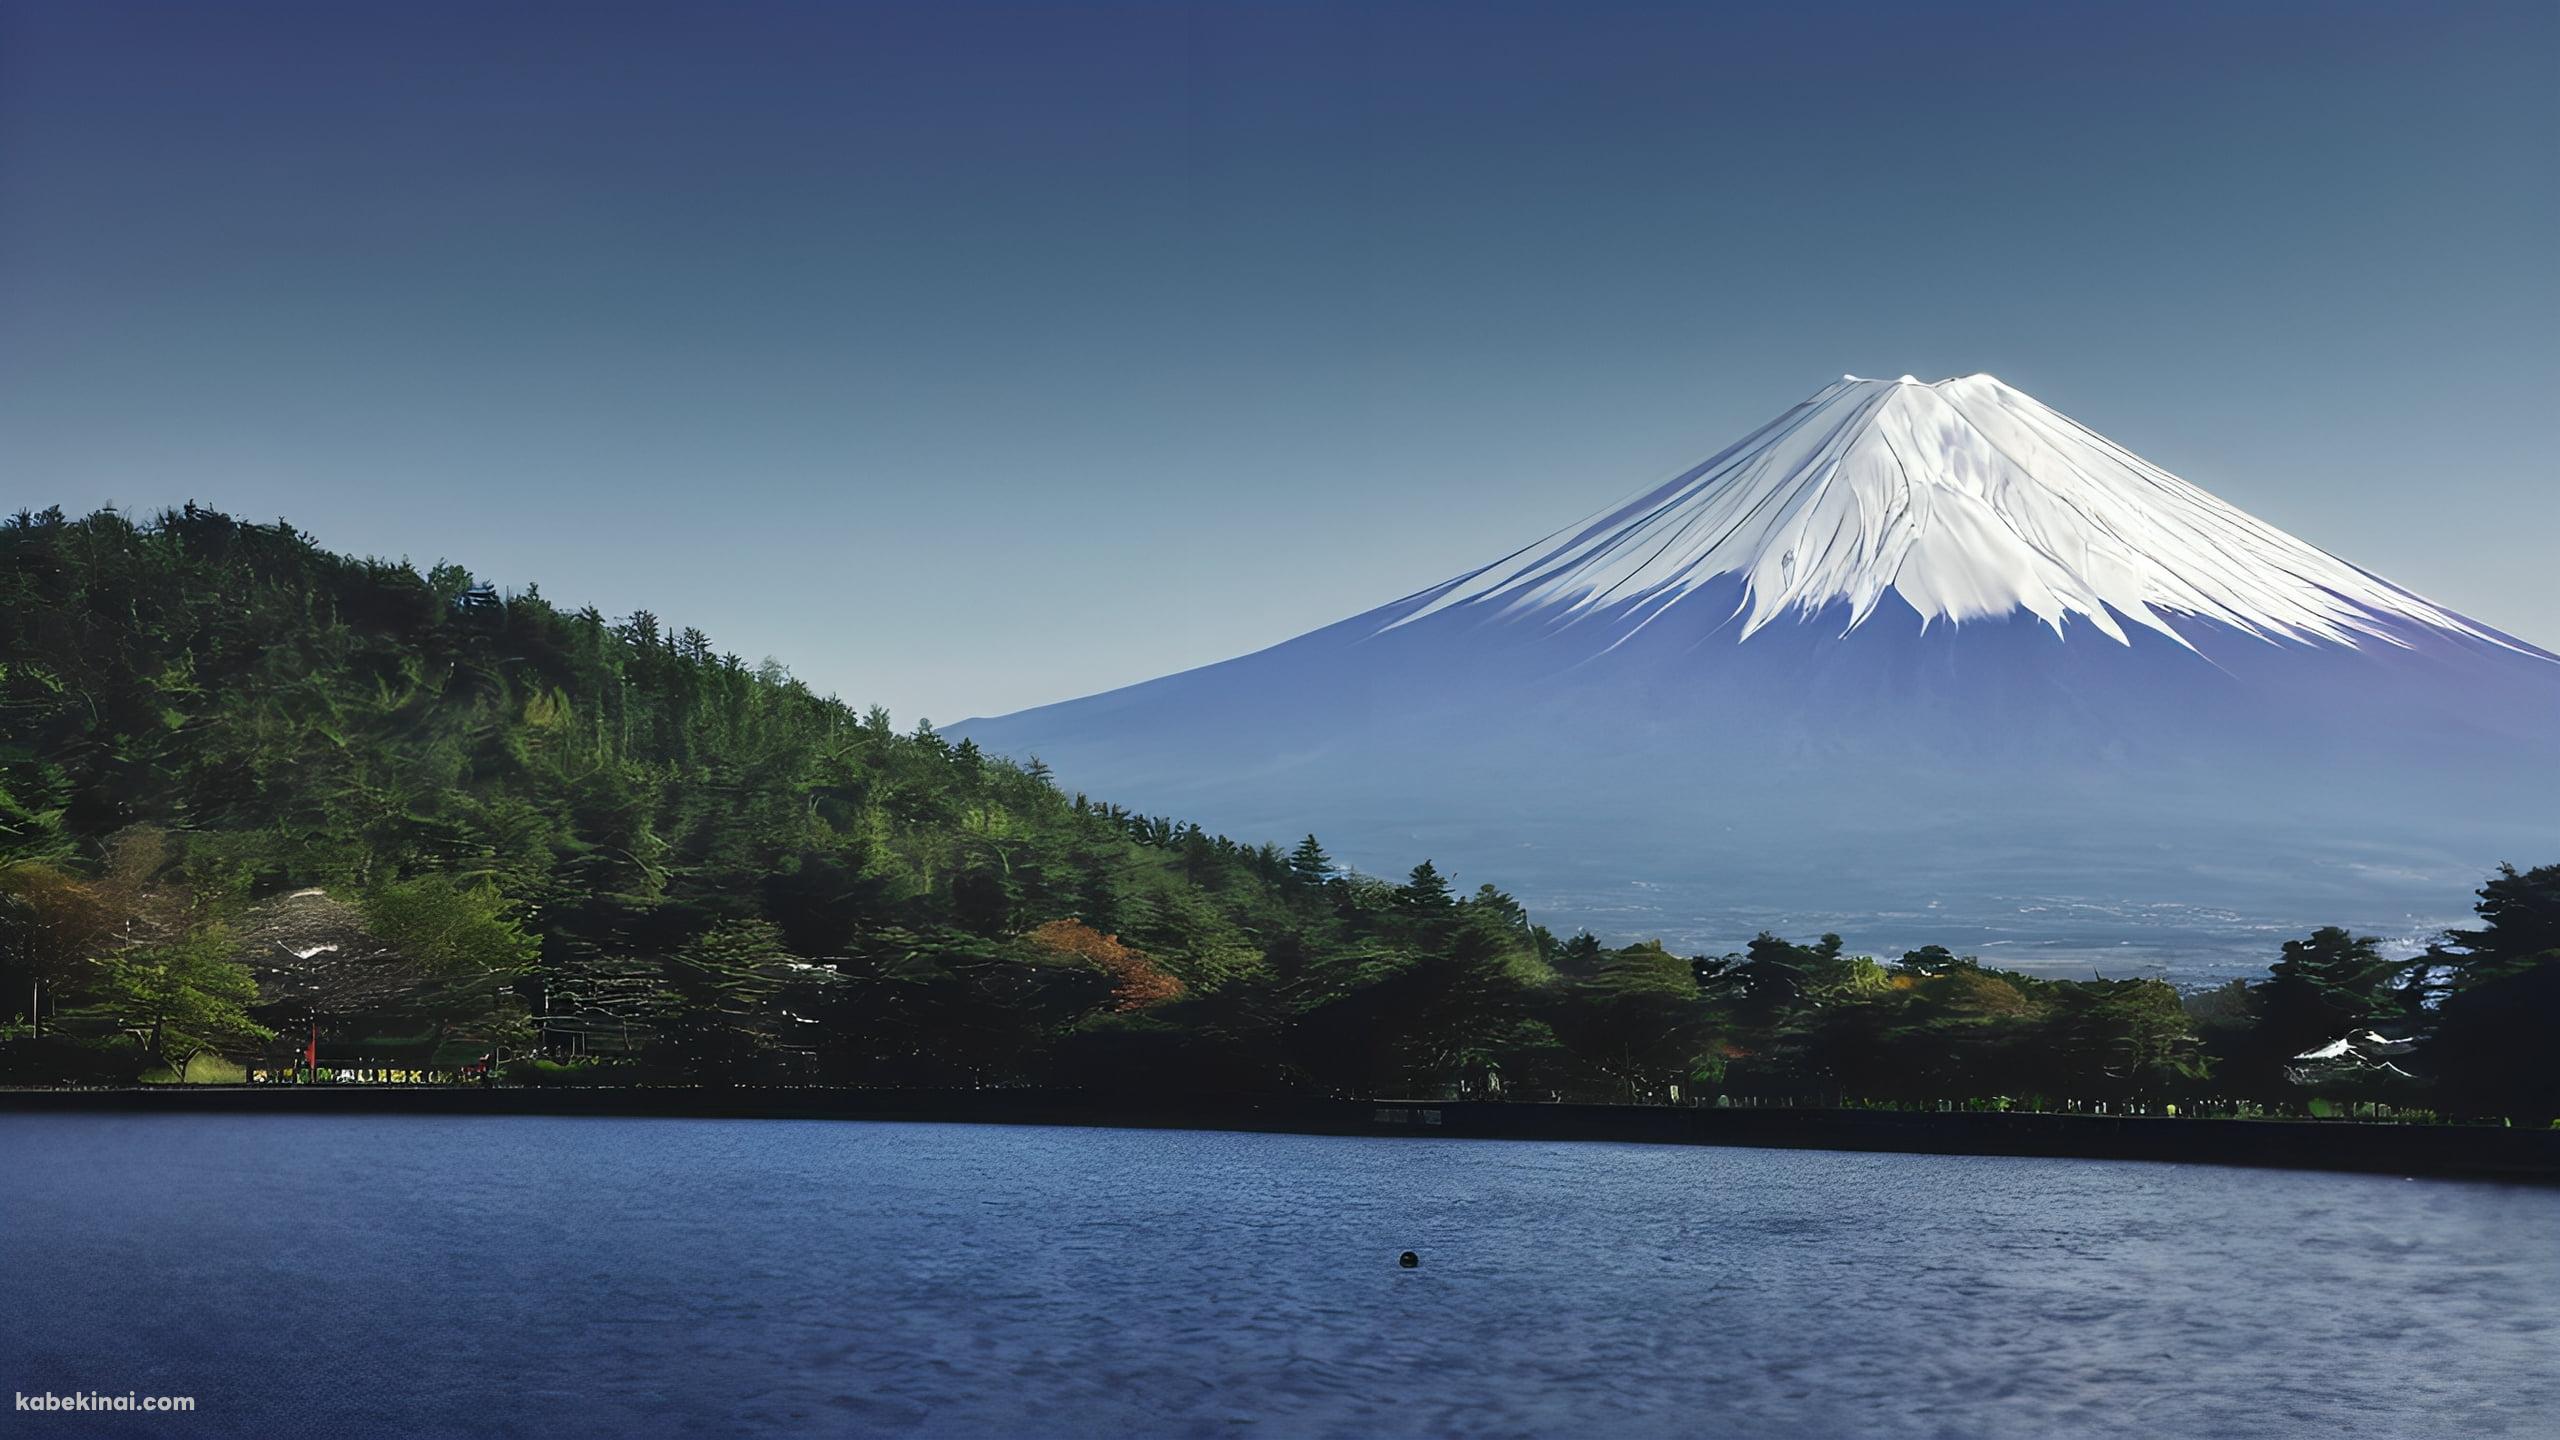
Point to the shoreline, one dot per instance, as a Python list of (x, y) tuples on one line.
[(2478, 1152)]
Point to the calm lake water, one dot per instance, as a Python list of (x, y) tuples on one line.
[(522, 1276)]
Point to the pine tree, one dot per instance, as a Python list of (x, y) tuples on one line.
[(1309, 863), (2324, 987), (1425, 889), (2491, 1049)]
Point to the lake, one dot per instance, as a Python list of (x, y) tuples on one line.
[(483, 1276)]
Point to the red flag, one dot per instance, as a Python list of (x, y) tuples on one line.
[(311, 1056)]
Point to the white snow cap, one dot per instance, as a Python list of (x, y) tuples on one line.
[(1963, 499)]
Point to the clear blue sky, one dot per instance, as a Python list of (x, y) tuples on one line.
[(967, 358)]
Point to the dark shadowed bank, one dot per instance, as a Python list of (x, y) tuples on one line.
[(2448, 1151)]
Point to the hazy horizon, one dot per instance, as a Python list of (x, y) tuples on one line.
[(970, 359)]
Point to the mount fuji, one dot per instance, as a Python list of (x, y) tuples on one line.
[(1921, 663)]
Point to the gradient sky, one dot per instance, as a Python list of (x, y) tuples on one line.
[(967, 358)]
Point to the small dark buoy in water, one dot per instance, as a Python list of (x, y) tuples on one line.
[(1408, 1260)]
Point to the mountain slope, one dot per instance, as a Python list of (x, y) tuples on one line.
[(1964, 500), (1931, 662)]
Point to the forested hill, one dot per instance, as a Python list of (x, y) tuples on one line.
[(616, 819), (258, 799)]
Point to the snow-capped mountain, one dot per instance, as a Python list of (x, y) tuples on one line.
[(1919, 662), (1964, 500)]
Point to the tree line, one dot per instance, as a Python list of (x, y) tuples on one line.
[(258, 799)]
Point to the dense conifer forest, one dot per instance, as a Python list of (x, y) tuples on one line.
[(271, 811)]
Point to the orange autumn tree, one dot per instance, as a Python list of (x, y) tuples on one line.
[(1136, 981)]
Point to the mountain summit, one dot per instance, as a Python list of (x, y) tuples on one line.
[(1927, 663), (1963, 499)]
